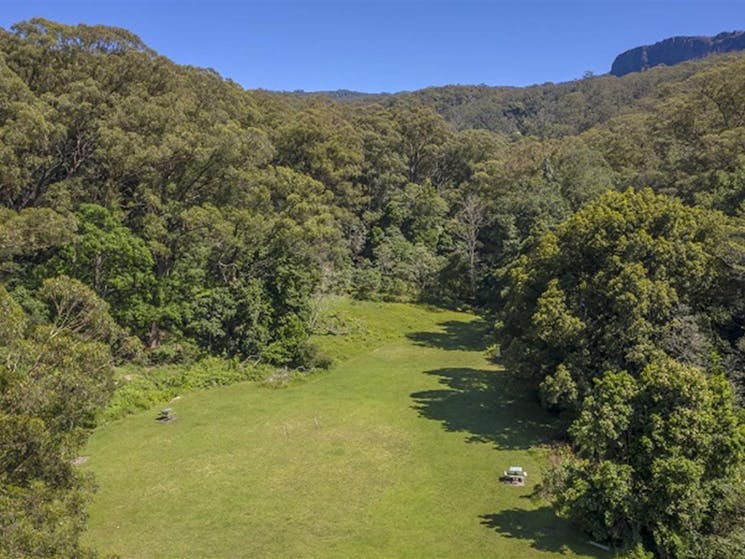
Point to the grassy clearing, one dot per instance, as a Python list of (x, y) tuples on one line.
[(393, 453)]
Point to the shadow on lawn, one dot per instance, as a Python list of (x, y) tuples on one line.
[(457, 335), (488, 406), (540, 527)]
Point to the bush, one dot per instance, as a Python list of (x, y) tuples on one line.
[(128, 349), (367, 282), (637, 552), (145, 388), (323, 361), (136, 394), (182, 351), (213, 371)]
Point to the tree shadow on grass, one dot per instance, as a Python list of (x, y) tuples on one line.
[(540, 527), (489, 406), (456, 335)]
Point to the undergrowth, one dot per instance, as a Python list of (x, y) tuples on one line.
[(141, 388)]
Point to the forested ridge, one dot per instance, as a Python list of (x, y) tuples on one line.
[(159, 214)]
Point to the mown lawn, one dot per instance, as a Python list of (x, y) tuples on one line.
[(395, 452)]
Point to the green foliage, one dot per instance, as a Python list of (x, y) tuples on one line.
[(638, 552), (32, 230), (74, 307), (559, 391), (606, 416), (554, 324), (551, 110), (54, 380), (599, 292), (142, 388), (42, 520), (134, 394), (621, 287), (367, 282), (113, 261), (406, 269), (324, 146), (652, 456)]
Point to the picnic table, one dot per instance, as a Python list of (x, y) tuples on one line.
[(514, 475)]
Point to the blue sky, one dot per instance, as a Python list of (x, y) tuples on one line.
[(377, 45)]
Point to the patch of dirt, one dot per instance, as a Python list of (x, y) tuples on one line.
[(80, 460)]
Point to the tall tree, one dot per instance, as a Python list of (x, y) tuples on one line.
[(659, 460), (54, 378)]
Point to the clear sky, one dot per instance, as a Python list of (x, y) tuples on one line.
[(378, 45)]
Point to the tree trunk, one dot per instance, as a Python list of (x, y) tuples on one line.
[(154, 335)]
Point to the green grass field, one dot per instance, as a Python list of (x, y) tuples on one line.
[(393, 453)]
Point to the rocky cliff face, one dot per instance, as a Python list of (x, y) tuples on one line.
[(674, 50)]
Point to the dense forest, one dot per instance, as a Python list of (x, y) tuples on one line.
[(152, 213)]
